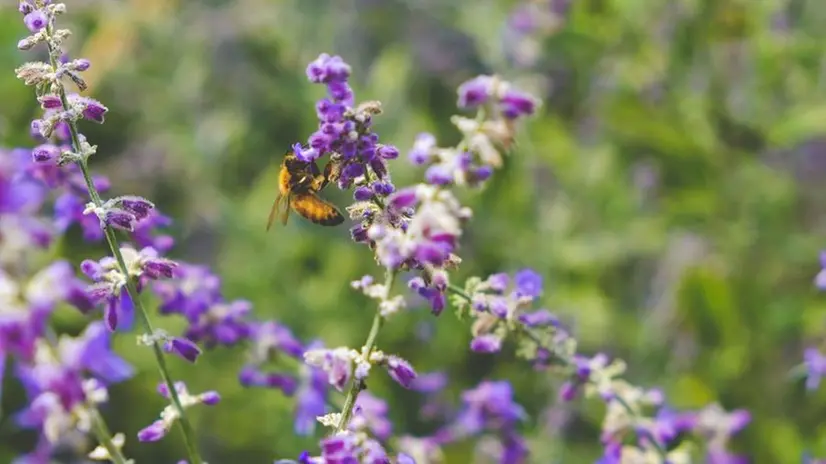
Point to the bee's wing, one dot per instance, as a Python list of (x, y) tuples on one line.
[(286, 214), (274, 210)]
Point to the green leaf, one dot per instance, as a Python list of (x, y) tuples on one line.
[(798, 125)]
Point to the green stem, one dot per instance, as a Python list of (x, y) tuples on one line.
[(358, 385), (114, 246), (104, 436), (456, 290)]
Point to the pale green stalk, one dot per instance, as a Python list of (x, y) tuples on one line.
[(358, 385), (114, 246)]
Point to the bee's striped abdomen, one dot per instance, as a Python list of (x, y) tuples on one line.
[(315, 209)]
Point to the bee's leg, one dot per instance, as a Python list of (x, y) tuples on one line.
[(331, 173), (320, 182), (314, 169)]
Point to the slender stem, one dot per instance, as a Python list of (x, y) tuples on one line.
[(456, 290), (104, 436), (358, 385), (114, 246)]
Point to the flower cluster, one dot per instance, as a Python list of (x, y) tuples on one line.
[(59, 165), (272, 342), (362, 441), (348, 447), (344, 132), (500, 306), (413, 229), (490, 409), (338, 363), (195, 294), (419, 227), (110, 281), (65, 378), (499, 106)]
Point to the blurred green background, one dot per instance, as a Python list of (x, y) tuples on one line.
[(670, 191)]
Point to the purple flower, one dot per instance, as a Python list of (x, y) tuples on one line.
[(475, 92), (539, 318), (61, 380), (19, 331), (144, 234), (340, 448), (311, 400), (54, 284), (388, 152), (159, 428), (119, 219), (69, 209), (109, 282), (153, 432), (815, 367), (93, 110), (422, 149), (93, 352), (528, 283), (370, 413), (515, 103), (50, 102), (36, 20), (221, 324), (487, 343), (45, 153), (400, 370), (309, 155), (271, 336), (487, 408), (193, 290), (337, 363), (489, 405), (820, 279), (431, 382), (498, 282), (252, 377), (183, 348), (362, 193), (24, 7), (326, 69), (718, 426), (343, 128), (137, 206)]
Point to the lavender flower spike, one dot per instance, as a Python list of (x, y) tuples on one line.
[(117, 278)]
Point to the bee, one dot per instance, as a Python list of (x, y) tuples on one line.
[(298, 187)]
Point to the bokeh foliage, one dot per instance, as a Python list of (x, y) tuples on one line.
[(670, 192)]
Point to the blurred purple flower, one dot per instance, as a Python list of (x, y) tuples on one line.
[(815, 367), (370, 413), (820, 279), (159, 428), (109, 283)]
